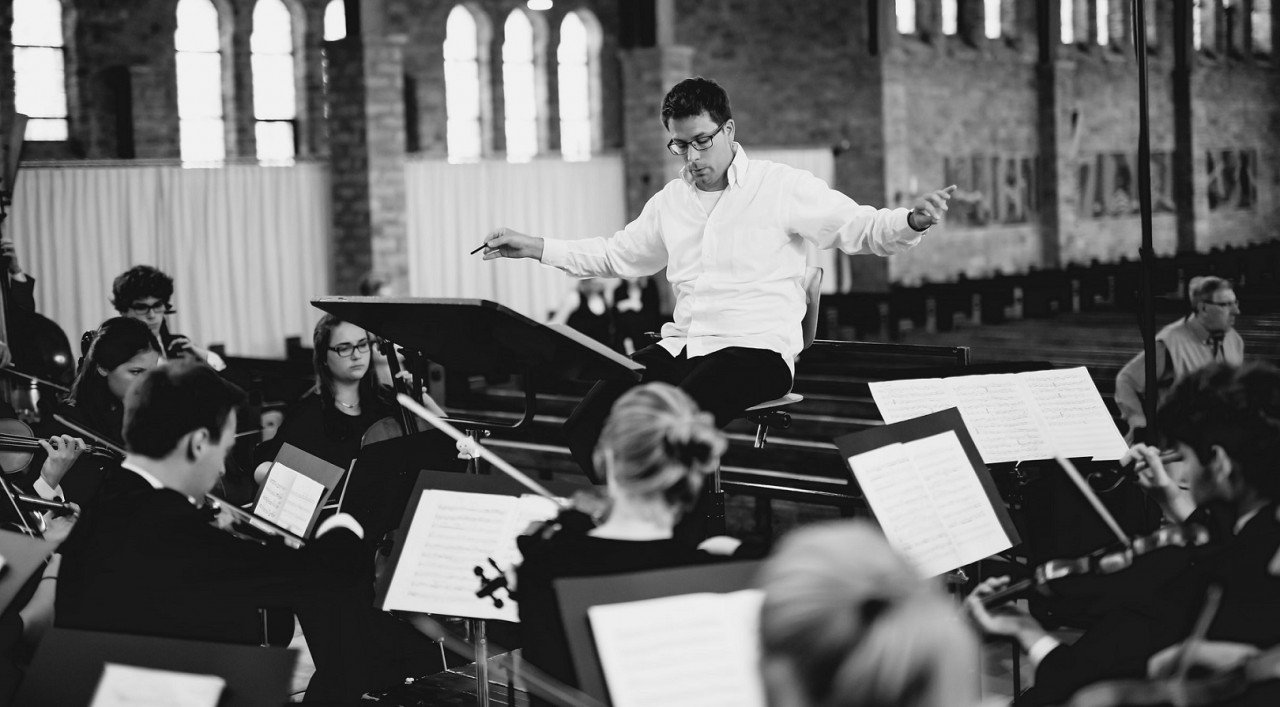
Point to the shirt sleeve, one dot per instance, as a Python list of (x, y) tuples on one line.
[(1041, 648), (215, 362), (635, 251), (47, 492), (831, 219)]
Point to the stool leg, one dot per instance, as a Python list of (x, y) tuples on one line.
[(762, 436), (715, 511)]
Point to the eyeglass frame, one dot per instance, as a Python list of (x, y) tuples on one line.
[(709, 137), (143, 310), (367, 343), (1232, 303)]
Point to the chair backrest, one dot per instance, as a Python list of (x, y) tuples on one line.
[(813, 291)]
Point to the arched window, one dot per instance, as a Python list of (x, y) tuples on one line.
[(199, 71), (906, 13), (519, 88), (950, 17), (335, 21), (1260, 22), (576, 57), (1102, 9), (1067, 18), (275, 103), (462, 85), (39, 68), (991, 19)]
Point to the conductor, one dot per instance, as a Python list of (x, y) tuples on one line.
[(731, 233)]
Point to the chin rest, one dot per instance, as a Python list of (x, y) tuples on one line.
[(771, 414)]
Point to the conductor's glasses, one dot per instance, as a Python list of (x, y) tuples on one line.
[(701, 144), (346, 350)]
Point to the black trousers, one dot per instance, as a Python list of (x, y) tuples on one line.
[(724, 383)]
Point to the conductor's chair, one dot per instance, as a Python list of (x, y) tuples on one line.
[(772, 414)]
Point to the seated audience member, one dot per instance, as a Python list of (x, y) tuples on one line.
[(121, 350), (588, 308), (1204, 336), (655, 450), (330, 420), (1225, 421), (146, 558), (846, 622), (636, 312), (144, 293)]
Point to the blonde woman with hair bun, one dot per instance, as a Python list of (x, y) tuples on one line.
[(656, 450), (846, 622)]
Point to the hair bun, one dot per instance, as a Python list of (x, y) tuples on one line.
[(685, 449)]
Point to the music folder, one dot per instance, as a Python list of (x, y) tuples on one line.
[(70, 665), (930, 491), (295, 490)]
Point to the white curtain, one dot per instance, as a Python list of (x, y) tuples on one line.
[(453, 206), (246, 245), (822, 163)]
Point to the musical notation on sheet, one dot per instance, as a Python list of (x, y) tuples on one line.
[(289, 498)]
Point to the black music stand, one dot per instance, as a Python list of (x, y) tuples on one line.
[(577, 594), (498, 484), (69, 663)]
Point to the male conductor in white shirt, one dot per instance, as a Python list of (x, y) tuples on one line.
[(731, 233)]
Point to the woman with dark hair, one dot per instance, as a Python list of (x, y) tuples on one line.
[(122, 349), (656, 449), (330, 420)]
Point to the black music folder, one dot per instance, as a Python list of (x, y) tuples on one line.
[(69, 666), (928, 488), (579, 596)]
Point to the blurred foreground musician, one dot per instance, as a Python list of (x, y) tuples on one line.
[(1226, 423), (145, 559)]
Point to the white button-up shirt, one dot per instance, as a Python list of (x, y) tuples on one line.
[(737, 273)]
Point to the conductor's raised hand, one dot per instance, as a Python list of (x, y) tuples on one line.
[(930, 209), (506, 243)]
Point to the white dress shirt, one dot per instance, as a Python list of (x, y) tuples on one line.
[(738, 274)]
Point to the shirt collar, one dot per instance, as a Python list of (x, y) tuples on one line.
[(1198, 330), (737, 169), (1243, 520), (150, 479)]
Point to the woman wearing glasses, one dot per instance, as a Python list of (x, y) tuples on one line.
[(143, 293), (330, 419)]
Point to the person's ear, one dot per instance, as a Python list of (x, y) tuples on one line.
[(730, 127), (197, 442), (1222, 469), (102, 371)]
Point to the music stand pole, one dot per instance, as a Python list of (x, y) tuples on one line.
[(481, 643), (715, 509)]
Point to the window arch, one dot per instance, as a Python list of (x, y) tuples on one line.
[(335, 21), (905, 10), (275, 96), (462, 85), (520, 87), (39, 68), (578, 58), (198, 41), (950, 17)]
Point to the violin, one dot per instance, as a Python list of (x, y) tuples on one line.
[(18, 445)]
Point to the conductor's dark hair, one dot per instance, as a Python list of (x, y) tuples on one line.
[(140, 282), (692, 97), (1236, 408), (115, 342), (172, 400)]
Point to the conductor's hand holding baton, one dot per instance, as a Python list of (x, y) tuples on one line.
[(930, 209), (506, 243)]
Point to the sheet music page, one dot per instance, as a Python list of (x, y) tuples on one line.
[(962, 505), (130, 686), (1079, 423), (909, 399), (452, 533), (898, 497), (1001, 417), (529, 510), (289, 498), (700, 650)]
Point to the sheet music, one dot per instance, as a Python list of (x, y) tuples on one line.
[(909, 399), (289, 498), (1001, 417), (451, 534), (694, 649), (930, 503), (1075, 415), (130, 686)]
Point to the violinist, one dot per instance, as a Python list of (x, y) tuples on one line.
[(146, 558), (655, 450), (330, 420), (144, 293), (122, 350), (1225, 422)]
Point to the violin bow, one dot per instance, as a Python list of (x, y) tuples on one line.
[(439, 423), (85, 432), (1092, 498)]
